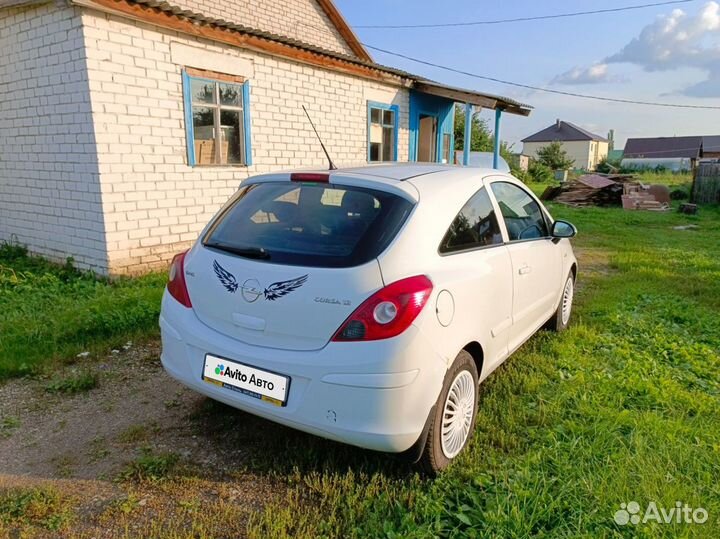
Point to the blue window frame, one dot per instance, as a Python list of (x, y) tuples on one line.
[(217, 121), (382, 132)]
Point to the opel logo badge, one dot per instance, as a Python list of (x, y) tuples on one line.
[(251, 290)]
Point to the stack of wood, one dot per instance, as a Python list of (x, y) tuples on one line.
[(590, 190)]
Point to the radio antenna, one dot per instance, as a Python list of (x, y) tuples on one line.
[(332, 165)]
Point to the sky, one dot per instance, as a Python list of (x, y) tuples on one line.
[(666, 53)]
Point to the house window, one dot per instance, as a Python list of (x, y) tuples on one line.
[(217, 119), (382, 132)]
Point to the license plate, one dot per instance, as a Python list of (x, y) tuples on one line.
[(258, 383)]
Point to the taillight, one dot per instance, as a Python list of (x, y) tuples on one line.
[(309, 177), (388, 312), (176, 282)]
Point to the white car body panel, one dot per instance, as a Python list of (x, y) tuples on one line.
[(374, 394)]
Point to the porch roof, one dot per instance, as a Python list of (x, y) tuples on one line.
[(480, 99)]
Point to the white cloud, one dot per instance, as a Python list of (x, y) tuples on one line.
[(584, 75), (676, 40), (672, 41)]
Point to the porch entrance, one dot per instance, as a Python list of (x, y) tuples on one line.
[(427, 138)]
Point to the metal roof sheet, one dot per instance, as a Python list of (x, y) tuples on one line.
[(711, 143), (663, 147), (562, 131)]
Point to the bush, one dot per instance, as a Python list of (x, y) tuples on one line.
[(679, 194), (555, 157), (540, 172), (522, 175), (605, 166)]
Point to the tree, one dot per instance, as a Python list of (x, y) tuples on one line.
[(482, 139), (555, 157)]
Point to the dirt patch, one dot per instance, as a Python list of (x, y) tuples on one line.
[(97, 448), (593, 262)]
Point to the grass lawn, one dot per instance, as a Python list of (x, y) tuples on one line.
[(624, 406), (50, 313)]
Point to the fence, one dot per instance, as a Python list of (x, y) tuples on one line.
[(706, 186)]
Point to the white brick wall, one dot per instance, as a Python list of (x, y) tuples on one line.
[(154, 204), (303, 20), (50, 194)]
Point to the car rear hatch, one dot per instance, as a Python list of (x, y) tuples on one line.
[(285, 263)]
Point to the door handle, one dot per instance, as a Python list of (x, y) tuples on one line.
[(524, 270)]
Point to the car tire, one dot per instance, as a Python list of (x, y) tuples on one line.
[(460, 388), (561, 319)]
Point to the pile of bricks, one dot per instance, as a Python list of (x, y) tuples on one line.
[(639, 197)]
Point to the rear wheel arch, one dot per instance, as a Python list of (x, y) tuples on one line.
[(475, 350)]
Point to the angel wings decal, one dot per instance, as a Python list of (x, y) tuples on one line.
[(226, 278), (274, 291)]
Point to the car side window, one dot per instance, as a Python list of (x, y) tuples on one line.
[(523, 217), (475, 226)]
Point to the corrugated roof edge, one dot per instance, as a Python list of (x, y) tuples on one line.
[(503, 102)]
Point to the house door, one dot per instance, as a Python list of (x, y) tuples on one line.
[(427, 138)]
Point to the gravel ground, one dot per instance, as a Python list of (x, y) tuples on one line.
[(81, 443)]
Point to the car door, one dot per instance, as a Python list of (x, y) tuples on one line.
[(477, 270), (536, 259)]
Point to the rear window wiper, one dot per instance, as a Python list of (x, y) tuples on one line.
[(247, 252)]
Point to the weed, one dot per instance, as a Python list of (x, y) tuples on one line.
[(40, 507), (98, 449), (8, 424), (134, 434), (77, 382), (150, 467)]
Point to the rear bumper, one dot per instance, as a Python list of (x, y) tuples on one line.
[(375, 395)]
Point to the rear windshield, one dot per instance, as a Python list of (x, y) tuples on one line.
[(308, 224)]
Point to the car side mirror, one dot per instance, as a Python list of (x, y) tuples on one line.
[(563, 229)]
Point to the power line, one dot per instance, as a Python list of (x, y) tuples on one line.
[(522, 19), (540, 88)]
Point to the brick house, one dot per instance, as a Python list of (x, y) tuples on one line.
[(126, 124), (586, 149)]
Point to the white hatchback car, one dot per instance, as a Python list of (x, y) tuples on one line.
[(365, 305)]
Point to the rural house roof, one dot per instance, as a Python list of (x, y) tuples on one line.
[(711, 144), (165, 15), (663, 147), (562, 131)]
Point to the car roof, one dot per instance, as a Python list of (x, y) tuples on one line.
[(397, 171), (413, 179)]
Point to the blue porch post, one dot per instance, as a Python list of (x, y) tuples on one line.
[(468, 134), (496, 149)]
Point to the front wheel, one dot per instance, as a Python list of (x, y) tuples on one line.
[(453, 420), (561, 318)]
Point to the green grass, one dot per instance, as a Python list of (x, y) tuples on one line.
[(8, 424), (624, 406), (672, 180), (150, 467), (34, 508), (51, 313), (77, 382)]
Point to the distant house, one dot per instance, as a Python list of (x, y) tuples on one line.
[(711, 147), (586, 148), (672, 153), (126, 124)]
